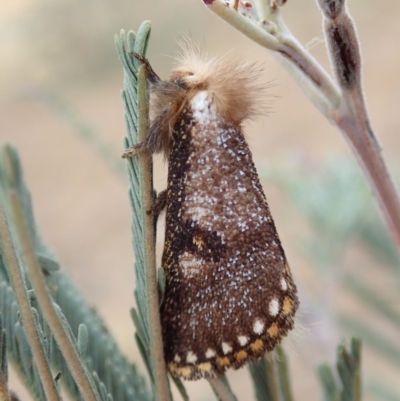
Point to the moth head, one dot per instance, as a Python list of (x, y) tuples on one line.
[(189, 78), (232, 82), (195, 69)]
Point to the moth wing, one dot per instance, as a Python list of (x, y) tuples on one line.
[(229, 294)]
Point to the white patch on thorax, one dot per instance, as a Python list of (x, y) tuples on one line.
[(203, 109)]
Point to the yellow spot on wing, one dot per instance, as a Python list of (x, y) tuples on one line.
[(172, 367), (223, 361), (185, 371), (287, 306), (289, 273), (257, 345), (241, 355), (206, 366), (273, 330)]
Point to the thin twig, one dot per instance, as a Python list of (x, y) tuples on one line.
[(221, 390), (352, 115), (272, 375), (316, 84), (37, 279), (283, 374), (28, 321), (157, 349), (146, 317)]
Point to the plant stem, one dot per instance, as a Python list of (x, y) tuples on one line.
[(28, 321), (272, 374), (283, 374), (316, 84), (223, 393), (352, 115), (146, 177), (355, 125), (64, 342)]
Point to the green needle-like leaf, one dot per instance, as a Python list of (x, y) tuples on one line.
[(119, 378), (141, 192), (348, 366)]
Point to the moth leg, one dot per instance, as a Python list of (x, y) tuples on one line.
[(134, 150), (159, 204), (151, 74)]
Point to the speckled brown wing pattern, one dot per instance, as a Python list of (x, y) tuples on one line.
[(229, 293)]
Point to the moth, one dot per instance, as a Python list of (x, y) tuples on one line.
[(229, 293)]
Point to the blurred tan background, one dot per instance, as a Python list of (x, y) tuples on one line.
[(60, 79)]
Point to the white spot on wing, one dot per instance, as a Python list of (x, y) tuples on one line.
[(177, 358), (198, 212), (243, 340), (210, 353), (226, 348), (274, 307), (191, 357), (190, 264), (258, 326), (283, 284)]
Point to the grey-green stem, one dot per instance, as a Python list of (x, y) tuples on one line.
[(157, 349), (64, 342), (28, 321), (223, 393)]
